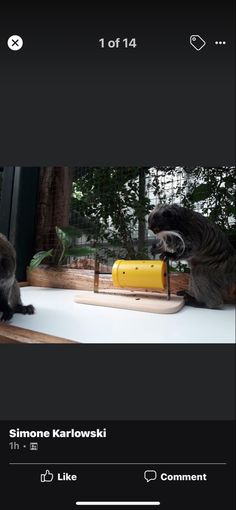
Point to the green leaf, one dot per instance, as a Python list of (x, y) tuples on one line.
[(79, 252), (64, 239), (39, 257), (72, 232), (201, 192)]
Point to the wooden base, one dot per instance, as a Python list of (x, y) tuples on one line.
[(130, 300)]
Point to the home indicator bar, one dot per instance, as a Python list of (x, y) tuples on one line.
[(118, 503)]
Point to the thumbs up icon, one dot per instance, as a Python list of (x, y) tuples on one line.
[(46, 477)]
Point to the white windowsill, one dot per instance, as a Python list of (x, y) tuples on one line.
[(58, 315)]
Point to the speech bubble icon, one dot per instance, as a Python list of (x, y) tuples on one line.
[(150, 475)]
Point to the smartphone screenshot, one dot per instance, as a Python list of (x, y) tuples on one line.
[(117, 256)]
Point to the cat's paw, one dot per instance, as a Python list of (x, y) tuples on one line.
[(190, 300), (167, 255), (29, 309), (25, 310), (7, 315), (164, 256), (181, 293)]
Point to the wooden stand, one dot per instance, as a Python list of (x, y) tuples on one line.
[(131, 300)]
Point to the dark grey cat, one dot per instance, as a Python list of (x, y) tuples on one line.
[(187, 235), (10, 300)]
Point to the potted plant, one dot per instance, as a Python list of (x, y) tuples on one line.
[(71, 266), (58, 272)]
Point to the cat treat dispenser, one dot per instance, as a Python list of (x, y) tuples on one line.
[(136, 285), (141, 274)]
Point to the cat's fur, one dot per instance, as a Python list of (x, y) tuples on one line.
[(10, 300), (210, 255)]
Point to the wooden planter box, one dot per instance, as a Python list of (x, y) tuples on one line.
[(83, 279), (179, 281), (66, 278)]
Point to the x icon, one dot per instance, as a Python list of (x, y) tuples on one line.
[(15, 42)]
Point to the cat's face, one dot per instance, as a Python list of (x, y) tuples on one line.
[(170, 223), (162, 218)]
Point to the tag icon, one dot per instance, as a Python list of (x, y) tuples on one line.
[(197, 42)]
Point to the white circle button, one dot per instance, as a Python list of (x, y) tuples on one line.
[(15, 42)]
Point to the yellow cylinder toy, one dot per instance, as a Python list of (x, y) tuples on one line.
[(144, 274)]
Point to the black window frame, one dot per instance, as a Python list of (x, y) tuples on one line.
[(18, 208)]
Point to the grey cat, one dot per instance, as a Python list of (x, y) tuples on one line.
[(188, 235), (10, 300)]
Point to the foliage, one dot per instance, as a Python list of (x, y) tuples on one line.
[(113, 203), (211, 191), (64, 249), (214, 190), (111, 199), (39, 257)]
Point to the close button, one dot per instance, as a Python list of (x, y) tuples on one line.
[(15, 42)]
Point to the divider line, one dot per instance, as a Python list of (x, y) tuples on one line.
[(118, 463)]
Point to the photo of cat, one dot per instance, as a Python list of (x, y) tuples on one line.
[(105, 254), (186, 234)]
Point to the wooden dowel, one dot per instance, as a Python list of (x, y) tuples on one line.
[(168, 279), (96, 275)]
